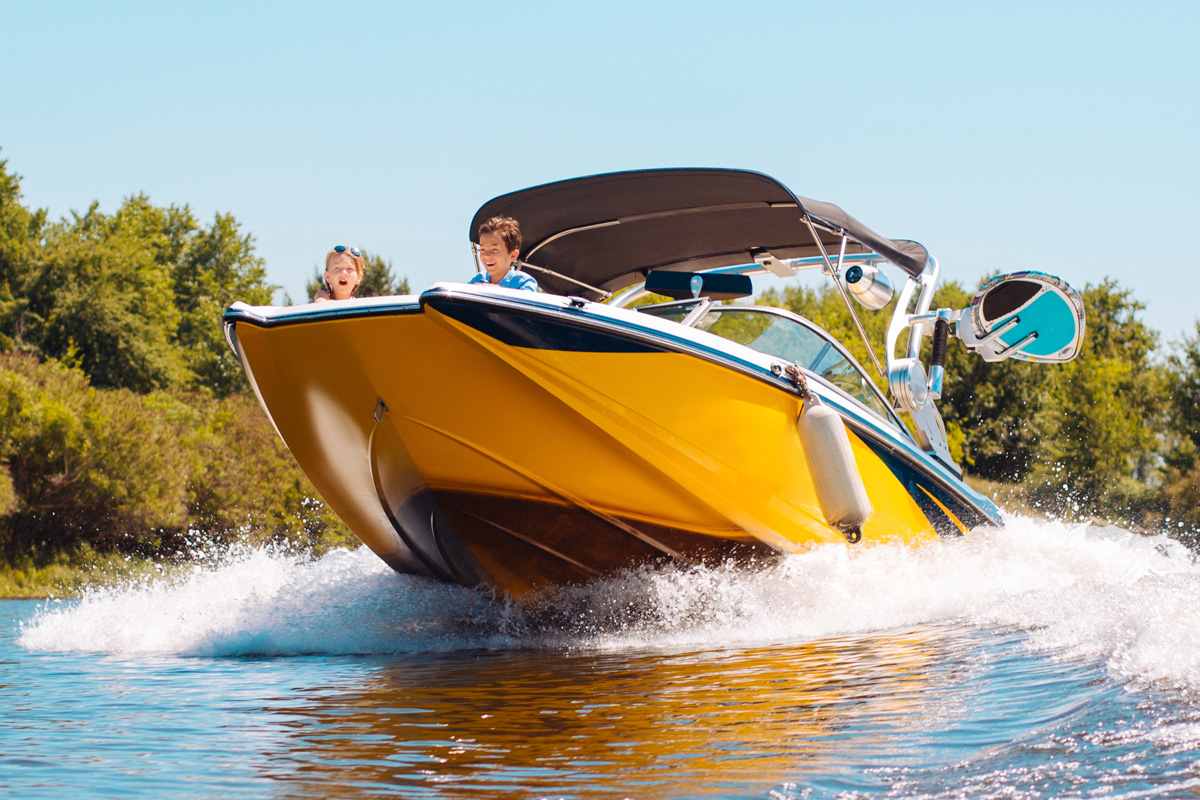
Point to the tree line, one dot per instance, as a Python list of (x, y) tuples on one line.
[(126, 424)]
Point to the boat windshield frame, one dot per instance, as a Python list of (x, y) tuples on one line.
[(697, 309)]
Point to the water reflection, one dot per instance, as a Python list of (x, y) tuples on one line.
[(644, 724)]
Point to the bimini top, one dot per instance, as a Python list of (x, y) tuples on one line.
[(608, 231)]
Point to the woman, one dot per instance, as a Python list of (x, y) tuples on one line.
[(343, 273)]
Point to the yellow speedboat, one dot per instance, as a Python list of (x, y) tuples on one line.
[(518, 439)]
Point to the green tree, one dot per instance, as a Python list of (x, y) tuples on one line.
[(99, 298), (1181, 480), (1184, 391), (86, 465), (245, 483), (153, 474), (136, 298), (379, 280), (20, 231), (1095, 435), (1104, 417), (213, 267)]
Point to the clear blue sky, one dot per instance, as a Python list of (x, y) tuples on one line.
[(1053, 136)]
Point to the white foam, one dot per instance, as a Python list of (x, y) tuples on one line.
[(259, 601), (1098, 593)]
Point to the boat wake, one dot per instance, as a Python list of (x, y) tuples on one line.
[(1078, 590)]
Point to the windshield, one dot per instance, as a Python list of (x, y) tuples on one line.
[(675, 311), (785, 338)]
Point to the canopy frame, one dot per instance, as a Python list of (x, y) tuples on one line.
[(602, 233)]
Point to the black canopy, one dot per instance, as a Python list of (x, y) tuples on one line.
[(609, 230)]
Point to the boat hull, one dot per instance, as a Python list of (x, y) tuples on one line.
[(484, 440)]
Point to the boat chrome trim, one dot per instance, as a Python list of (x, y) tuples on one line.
[(273, 316)]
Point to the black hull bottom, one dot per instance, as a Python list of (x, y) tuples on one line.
[(522, 544)]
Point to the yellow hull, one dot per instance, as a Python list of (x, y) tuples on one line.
[(454, 454)]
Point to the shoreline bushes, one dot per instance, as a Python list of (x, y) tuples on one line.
[(143, 474)]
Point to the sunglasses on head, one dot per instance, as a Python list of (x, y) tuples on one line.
[(354, 251)]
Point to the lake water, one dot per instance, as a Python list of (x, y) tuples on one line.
[(1039, 660)]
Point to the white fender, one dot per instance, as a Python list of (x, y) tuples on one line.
[(839, 485)]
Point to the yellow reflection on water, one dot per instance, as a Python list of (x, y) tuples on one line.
[(637, 724)]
